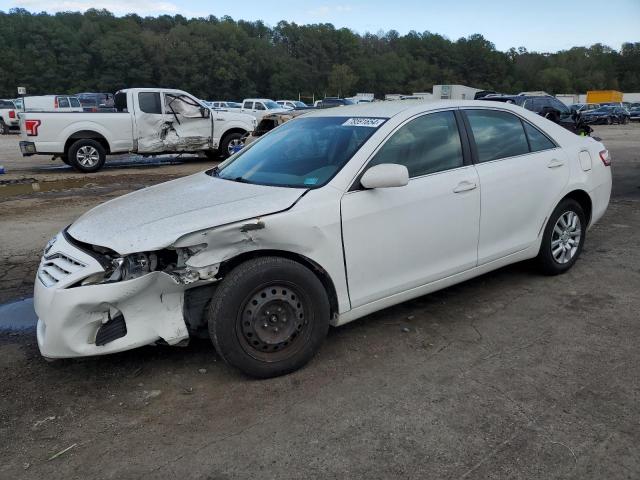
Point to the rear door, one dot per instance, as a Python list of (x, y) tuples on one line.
[(522, 174), (150, 128)]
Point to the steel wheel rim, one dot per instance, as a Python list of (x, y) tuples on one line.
[(566, 236), (273, 322), (88, 156), (232, 145)]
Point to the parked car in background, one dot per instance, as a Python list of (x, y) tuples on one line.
[(607, 115), (583, 107), (259, 107), (8, 116), (634, 111), (96, 102), (148, 121), (331, 102), (544, 105), (293, 104), (326, 219), (224, 104), (52, 103)]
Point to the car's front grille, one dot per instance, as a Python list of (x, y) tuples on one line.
[(55, 268)]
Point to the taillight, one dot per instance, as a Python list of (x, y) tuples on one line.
[(31, 127), (12, 114), (55, 102), (606, 159)]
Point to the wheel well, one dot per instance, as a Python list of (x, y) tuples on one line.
[(584, 200), (319, 272), (84, 134)]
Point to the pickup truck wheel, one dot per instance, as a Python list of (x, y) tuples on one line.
[(269, 316), (229, 143), (3, 128), (87, 155)]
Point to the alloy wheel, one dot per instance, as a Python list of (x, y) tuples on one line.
[(565, 238), (236, 142), (88, 156)]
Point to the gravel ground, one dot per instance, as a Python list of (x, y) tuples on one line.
[(510, 375)]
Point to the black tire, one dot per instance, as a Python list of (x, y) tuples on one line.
[(268, 346), (211, 155), (4, 129), (65, 159), (228, 140), (96, 151), (609, 121), (546, 260)]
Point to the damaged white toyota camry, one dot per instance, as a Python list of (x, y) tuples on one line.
[(327, 218)]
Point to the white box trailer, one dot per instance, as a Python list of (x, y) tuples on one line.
[(568, 98), (454, 92)]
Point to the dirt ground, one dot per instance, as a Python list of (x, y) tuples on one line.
[(510, 375)]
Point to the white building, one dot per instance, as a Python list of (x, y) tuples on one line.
[(454, 92)]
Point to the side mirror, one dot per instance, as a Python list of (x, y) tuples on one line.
[(385, 175), (206, 113)]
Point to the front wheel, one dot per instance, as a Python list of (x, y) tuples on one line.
[(269, 316), (563, 238), (87, 155), (230, 143)]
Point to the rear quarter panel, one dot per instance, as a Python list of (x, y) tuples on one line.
[(56, 128)]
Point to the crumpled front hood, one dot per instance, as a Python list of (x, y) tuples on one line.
[(155, 217)]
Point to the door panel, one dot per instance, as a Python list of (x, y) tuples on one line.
[(187, 129), (400, 238), (517, 194), (149, 121)]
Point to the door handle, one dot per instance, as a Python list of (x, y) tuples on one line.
[(465, 186), (555, 163)]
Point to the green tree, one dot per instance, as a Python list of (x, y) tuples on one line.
[(342, 80)]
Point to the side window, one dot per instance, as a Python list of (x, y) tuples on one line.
[(120, 102), (428, 144), (150, 102), (537, 140), (260, 106), (497, 134), (74, 101), (63, 102), (248, 105)]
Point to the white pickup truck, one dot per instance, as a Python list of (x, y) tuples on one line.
[(147, 121), (8, 116)]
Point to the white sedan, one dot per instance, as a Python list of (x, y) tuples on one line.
[(326, 219)]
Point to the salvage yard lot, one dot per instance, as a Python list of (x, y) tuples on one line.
[(510, 375)]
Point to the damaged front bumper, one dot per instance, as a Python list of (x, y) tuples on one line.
[(77, 321)]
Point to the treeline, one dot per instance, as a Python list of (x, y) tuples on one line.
[(219, 58)]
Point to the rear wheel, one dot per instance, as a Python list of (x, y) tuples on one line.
[(87, 155), (563, 238), (609, 121), (4, 129), (269, 316)]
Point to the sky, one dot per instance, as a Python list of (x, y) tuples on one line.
[(538, 25)]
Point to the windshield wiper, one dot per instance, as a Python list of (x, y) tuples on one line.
[(241, 180)]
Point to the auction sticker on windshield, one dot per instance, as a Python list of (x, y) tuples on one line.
[(363, 122)]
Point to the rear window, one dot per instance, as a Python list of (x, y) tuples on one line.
[(63, 102), (6, 104), (150, 102)]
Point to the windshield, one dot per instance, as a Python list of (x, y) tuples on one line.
[(299, 104), (270, 104), (302, 153)]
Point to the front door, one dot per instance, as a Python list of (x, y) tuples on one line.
[(396, 239)]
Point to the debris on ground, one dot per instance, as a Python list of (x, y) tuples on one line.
[(61, 452)]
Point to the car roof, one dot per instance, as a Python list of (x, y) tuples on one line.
[(392, 108)]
